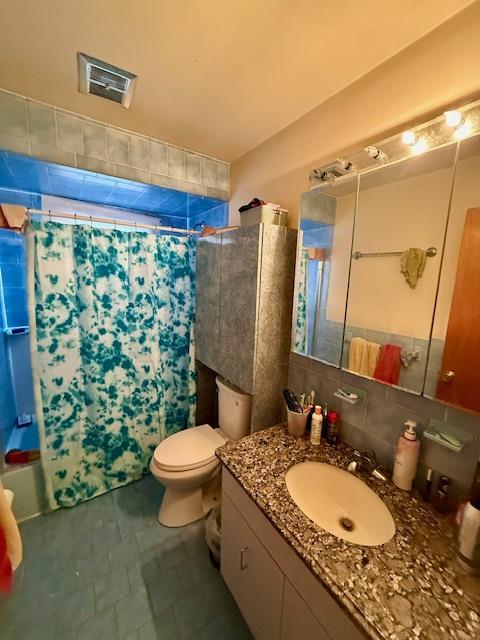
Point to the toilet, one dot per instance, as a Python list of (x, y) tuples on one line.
[(186, 465)]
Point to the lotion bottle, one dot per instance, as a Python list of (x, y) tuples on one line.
[(317, 420), (406, 457)]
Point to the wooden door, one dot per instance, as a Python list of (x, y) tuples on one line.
[(459, 379)]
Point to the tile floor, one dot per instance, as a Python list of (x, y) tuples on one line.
[(108, 570)]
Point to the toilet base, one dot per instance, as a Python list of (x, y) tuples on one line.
[(182, 507)]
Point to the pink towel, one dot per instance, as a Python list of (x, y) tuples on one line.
[(388, 365)]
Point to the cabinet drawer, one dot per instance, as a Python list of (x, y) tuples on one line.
[(252, 576), (297, 620)]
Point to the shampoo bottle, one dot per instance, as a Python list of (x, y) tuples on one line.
[(406, 457), (317, 420)]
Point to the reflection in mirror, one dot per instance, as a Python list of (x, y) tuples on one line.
[(323, 261), (398, 238), (454, 361)]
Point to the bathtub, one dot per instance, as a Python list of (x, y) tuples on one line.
[(25, 480), (24, 438)]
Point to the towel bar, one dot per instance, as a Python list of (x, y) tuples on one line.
[(431, 252)]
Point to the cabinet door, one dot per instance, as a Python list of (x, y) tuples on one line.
[(252, 576), (297, 620), (238, 305)]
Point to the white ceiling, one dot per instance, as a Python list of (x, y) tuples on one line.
[(216, 76)]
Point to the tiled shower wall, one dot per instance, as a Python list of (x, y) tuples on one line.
[(48, 133), (376, 422)]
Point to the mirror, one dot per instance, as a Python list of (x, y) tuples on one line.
[(453, 373), (400, 223), (323, 263)]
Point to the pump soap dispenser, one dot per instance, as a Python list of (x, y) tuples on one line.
[(406, 457)]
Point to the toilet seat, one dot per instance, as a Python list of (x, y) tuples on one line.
[(189, 449)]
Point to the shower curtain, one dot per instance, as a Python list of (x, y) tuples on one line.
[(112, 316), (301, 311)]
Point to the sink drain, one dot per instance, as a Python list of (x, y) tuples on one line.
[(347, 524)]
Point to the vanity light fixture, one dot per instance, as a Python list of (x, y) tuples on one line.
[(410, 138), (376, 153), (453, 119)]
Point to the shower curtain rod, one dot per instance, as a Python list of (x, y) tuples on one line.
[(112, 221)]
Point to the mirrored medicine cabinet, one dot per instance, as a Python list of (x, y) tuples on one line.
[(387, 280)]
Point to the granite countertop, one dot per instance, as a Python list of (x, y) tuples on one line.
[(407, 588)]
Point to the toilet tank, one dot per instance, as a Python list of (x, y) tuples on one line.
[(234, 410)]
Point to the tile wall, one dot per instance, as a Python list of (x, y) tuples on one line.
[(48, 133), (16, 393), (377, 422)]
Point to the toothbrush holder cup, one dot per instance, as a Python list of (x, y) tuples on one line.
[(296, 423)]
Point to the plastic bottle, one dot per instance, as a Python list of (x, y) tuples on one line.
[(469, 532), (332, 435), (406, 457), (317, 421)]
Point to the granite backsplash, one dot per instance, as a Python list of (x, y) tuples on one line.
[(376, 422)]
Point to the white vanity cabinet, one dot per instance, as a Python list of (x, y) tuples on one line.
[(279, 597)]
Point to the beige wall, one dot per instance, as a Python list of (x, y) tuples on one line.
[(394, 217), (440, 69)]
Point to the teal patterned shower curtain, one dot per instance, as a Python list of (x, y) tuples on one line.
[(112, 316), (300, 342)]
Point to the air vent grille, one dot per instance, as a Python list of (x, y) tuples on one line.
[(104, 80)]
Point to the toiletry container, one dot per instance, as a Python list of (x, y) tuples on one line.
[(468, 552), (317, 421), (406, 457), (296, 423), (440, 497), (332, 435)]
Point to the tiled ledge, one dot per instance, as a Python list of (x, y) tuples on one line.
[(39, 130)]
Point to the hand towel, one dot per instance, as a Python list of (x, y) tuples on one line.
[(363, 356), (15, 214), (357, 354), (388, 365), (412, 265), (9, 527), (373, 350)]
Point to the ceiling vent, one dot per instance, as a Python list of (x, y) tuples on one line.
[(105, 81)]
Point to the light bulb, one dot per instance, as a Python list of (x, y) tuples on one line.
[(409, 137), (376, 153), (453, 119), (419, 147), (463, 131)]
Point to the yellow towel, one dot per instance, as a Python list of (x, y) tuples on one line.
[(412, 265), (363, 356), (357, 354), (373, 349), (10, 529)]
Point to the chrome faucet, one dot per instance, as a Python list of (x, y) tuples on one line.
[(366, 462)]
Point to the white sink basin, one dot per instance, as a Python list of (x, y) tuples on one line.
[(340, 503)]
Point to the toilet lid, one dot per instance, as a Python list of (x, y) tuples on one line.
[(188, 449)]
